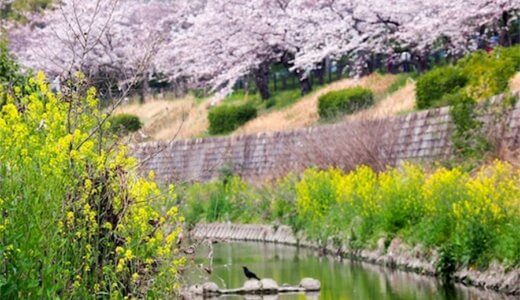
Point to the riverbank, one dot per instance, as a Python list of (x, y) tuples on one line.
[(397, 255)]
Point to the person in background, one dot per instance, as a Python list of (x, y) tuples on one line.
[(405, 58), (493, 42)]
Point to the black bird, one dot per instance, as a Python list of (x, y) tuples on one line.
[(249, 274)]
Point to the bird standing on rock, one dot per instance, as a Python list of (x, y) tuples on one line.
[(249, 274)]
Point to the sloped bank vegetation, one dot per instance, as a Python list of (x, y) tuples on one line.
[(470, 219)]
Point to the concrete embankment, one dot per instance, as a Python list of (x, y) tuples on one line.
[(397, 254), (424, 135)]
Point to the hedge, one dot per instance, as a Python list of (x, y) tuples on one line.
[(125, 123), (434, 85), (341, 102), (226, 118)]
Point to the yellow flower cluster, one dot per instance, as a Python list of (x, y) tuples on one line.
[(443, 206), (74, 204)]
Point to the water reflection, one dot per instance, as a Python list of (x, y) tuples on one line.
[(340, 280)]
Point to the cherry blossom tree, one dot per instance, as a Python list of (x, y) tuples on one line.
[(234, 38), (227, 41), (110, 41), (215, 43)]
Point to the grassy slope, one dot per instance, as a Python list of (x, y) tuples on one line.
[(187, 117), (167, 119), (305, 112)]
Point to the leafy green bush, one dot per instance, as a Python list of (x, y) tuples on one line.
[(10, 76), (347, 101), (219, 201), (434, 85), (489, 73), (226, 118), (480, 75), (401, 204), (468, 139), (125, 123)]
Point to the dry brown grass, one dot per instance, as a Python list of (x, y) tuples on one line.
[(367, 142), (166, 119), (163, 118), (305, 112), (402, 100), (514, 84)]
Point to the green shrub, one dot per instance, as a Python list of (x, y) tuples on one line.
[(347, 101), (10, 76), (480, 75), (397, 189), (219, 201), (270, 103), (226, 118), (447, 263), (433, 86), (468, 139), (125, 123), (489, 73)]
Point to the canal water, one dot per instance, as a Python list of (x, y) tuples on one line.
[(340, 279)]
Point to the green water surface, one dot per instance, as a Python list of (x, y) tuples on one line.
[(340, 279)]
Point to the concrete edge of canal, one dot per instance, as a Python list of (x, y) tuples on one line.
[(397, 255)]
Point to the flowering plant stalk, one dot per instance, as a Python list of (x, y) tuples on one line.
[(76, 219)]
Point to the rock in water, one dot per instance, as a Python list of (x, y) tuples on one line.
[(269, 285), (252, 286), (196, 289), (310, 284), (210, 288)]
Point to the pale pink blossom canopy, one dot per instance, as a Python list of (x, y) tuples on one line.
[(214, 43)]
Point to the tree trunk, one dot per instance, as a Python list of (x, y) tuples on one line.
[(320, 72), (422, 62), (261, 76), (304, 80), (504, 37), (143, 92), (305, 83), (339, 69)]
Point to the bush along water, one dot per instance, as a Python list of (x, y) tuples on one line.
[(471, 219), (77, 222)]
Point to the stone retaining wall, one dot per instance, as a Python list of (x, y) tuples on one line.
[(420, 135), (398, 254), (245, 232)]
